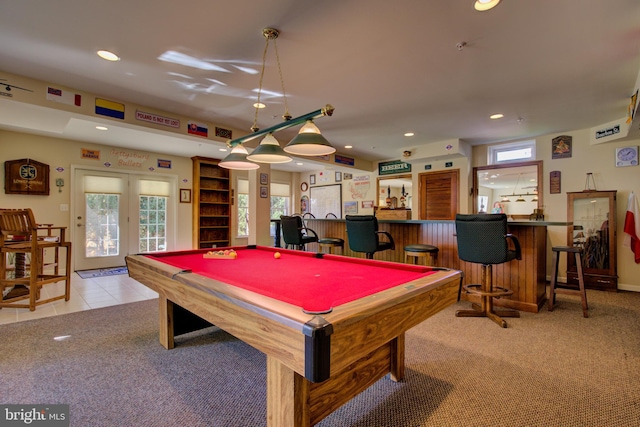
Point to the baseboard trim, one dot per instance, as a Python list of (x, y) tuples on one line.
[(621, 286)]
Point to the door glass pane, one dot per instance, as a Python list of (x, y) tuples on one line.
[(102, 227), (152, 230)]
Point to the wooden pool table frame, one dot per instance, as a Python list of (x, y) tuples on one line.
[(312, 360)]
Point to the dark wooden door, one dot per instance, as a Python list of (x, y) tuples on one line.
[(439, 194)]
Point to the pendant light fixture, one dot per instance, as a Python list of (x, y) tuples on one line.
[(237, 160), (269, 150), (309, 142), (483, 5)]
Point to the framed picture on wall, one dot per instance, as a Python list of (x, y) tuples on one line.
[(338, 176), (185, 195), (264, 179), (312, 179), (264, 192)]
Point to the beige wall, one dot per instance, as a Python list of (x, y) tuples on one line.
[(597, 159), (62, 154)]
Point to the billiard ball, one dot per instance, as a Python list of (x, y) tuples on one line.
[(276, 255)]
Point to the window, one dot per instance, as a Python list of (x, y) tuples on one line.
[(243, 208), (280, 205), (152, 233), (280, 202), (512, 152), (152, 228)]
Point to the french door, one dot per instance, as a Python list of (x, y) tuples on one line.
[(116, 214)]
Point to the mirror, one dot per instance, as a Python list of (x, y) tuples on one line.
[(390, 192), (515, 189)]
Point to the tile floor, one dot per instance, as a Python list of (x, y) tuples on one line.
[(86, 294)]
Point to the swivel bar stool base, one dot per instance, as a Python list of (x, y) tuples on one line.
[(487, 293)]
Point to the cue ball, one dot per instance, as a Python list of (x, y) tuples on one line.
[(276, 255)]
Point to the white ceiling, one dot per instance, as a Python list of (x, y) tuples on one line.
[(549, 66)]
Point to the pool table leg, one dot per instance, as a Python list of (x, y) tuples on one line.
[(294, 401), (166, 321), (397, 358)]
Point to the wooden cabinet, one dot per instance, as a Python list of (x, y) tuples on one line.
[(593, 214), (211, 204), (403, 214)]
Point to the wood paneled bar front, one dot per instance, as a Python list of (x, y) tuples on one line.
[(527, 277)]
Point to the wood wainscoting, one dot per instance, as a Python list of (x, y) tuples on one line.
[(527, 277)]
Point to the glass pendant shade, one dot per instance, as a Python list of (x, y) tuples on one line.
[(237, 160), (309, 142), (269, 151), (482, 5)]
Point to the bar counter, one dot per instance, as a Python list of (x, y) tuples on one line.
[(527, 277)]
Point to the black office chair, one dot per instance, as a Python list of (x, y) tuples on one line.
[(295, 234), (363, 235), (483, 239)]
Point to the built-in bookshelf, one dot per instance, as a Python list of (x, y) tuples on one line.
[(211, 204)]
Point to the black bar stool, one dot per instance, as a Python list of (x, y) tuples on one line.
[(553, 290), (414, 252), (331, 243)]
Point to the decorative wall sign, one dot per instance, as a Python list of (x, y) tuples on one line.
[(393, 167), (561, 147), (627, 156), (264, 192), (613, 130), (224, 133), (26, 176), (554, 182)]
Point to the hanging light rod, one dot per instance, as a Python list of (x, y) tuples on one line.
[(326, 111)]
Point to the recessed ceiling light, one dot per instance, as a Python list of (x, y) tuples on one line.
[(102, 128), (259, 105), (409, 134), (109, 56), (482, 5), (222, 149), (496, 116), (299, 163), (348, 146)]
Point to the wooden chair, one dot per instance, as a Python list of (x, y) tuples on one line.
[(483, 239), (22, 237), (363, 235)]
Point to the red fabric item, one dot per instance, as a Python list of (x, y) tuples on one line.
[(300, 278), (632, 227)]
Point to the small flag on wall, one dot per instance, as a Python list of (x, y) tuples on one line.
[(109, 108), (196, 129), (632, 226), (63, 96)]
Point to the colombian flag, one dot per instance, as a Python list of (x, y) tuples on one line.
[(109, 108)]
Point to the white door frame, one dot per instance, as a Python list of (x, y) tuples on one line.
[(131, 236)]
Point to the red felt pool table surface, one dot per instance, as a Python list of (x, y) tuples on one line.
[(316, 283)]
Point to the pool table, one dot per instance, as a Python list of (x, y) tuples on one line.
[(329, 325)]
